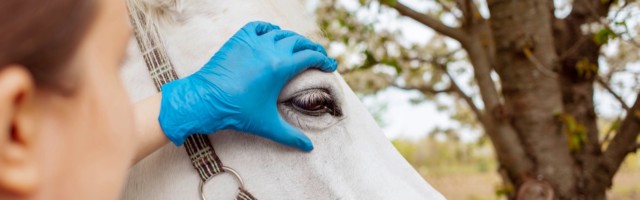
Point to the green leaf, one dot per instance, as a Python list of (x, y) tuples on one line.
[(586, 68), (369, 61), (389, 2), (392, 63), (576, 132), (614, 126), (504, 190), (608, 1), (603, 36)]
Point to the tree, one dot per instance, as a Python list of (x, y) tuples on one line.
[(534, 74)]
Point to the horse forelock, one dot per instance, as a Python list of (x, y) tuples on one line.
[(157, 11)]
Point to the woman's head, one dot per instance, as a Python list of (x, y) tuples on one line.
[(43, 35), (66, 125)]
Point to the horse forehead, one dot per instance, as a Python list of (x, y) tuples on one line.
[(203, 26)]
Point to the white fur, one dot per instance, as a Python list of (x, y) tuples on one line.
[(160, 10), (352, 158)]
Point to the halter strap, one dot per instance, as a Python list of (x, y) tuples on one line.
[(203, 156)]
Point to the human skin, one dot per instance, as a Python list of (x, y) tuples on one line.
[(78, 145)]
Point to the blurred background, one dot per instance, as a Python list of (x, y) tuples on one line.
[(451, 81)]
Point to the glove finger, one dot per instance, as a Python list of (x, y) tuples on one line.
[(309, 59), (299, 43), (288, 135), (260, 28), (278, 35)]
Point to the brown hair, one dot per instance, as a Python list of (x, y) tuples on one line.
[(43, 35)]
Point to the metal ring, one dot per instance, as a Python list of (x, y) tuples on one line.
[(226, 169)]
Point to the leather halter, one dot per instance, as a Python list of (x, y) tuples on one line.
[(198, 147)]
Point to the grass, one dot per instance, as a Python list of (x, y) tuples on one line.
[(482, 185), (467, 172)]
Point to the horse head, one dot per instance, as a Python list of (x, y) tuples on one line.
[(352, 158)]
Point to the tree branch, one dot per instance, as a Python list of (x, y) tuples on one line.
[(574, 48), (424, 89), (630, 40), (606, 86), (582, 12), (607, 136), (449, 9), (588, 10), (463, 5), (635, 148), (464, 96), (470, 12), (539, 66), (429, 21), (623, 142)]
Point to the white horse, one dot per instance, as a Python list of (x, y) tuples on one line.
[(352, 158)]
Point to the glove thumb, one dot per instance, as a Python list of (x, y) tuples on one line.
[(288, 135)]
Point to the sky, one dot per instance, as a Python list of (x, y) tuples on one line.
[(403, 119)]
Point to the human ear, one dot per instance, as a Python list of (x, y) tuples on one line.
[(18, 165)]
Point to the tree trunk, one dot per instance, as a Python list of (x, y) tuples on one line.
[(543, 125), (506, 142), (577, 98), (533, 96)]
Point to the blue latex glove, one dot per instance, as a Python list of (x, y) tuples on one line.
[(238, 88)]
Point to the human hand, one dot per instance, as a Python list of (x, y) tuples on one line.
[(238, 88)]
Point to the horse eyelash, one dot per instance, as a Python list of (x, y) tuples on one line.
[(314, 93)]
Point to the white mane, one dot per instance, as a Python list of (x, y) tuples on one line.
[(160, 10)]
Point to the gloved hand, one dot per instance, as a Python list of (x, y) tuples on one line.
[(238, 88)]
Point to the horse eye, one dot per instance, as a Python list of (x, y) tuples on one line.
[(314, 102)]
